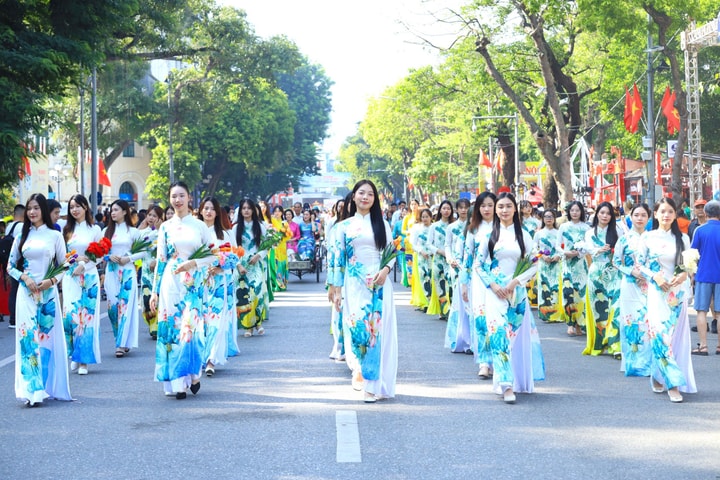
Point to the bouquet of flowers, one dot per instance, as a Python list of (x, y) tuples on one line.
[(271, 238), (228, 256), (203, 251), (55, 270), (98, 249), (140, 245), (388, 255), (690, 259), (525, 263)]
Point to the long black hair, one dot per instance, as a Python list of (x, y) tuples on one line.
[(110, 230), (376, 217), (476, 217), (71, 222), (256, 229), (495, 235), (674, 228), (611, 237), (438, 216), (217, 223), (45, 212)]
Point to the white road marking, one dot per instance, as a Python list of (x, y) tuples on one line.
[(348, 437), (11, 358)]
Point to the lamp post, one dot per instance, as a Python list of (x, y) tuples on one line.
[(59, 172), (170, 122), (514, 118)]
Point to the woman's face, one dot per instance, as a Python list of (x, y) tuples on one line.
[(179, 198), (152, 218), (117, 214), (289, 216), (77, 211), (209, 213), (246, 212), (575, 213), (487, 208), (445, 211), (426, 218), (339, 208), (527, 210), (639, 218), (462, 210), (548, 220), (306, 216), (169, 213), (277, 214), (364, 198), (505, 210), (665, 215), (603, 215), (414, 206), (34, 213)]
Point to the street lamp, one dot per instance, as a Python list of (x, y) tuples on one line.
[(59, 172), (513, 117)]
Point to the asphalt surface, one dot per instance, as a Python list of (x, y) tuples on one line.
[(272, 413)]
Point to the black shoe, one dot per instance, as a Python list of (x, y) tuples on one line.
[(181, 395), (195, 387), (694, 329), (713, 328)]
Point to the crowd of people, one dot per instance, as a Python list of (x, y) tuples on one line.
[(161, 265), (624, 281)]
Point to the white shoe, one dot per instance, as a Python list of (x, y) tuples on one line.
[(509, 396), (74, 366), (82, 371)]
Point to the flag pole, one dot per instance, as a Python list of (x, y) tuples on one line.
[(93, 145), (650, 121)]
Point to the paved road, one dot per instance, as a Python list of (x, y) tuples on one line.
[(282, 410)]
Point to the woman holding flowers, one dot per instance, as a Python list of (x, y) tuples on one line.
[(292, 242), (306, 243), (603, 285), (473, 290), (457, 332), (121, 279), (441, 289), (632, 303), (281, 257), (549, 269), (149, 229), (219, 311), (81, 286), (505, 268), (422, 277), (360, 243), (251, 294), (571, 236), (41, 369), (182, 252), (667, 297)]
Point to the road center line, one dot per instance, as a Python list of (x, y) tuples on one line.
[(348, 437)]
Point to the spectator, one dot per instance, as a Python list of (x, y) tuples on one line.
[(396, 214), (700, 217), (707, 278), (54, 207), (14, 228)]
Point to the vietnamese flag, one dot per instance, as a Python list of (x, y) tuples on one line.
[(483, 160), (102, 174), (627, 117), (671, 113)]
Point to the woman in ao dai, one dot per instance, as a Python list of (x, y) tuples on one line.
[(219, 313), (457, 333), (474, 290), (441, 288), (549, 269), (121, 279), (514, 342), (41, 369), (667, 300), (178, 297), (149, 229), (632, 303), (368, 308), (252, 294), (571, 236), (81, 288), (422, 275), (603, 286)]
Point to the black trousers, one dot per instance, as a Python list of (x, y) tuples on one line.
[(12, 299)]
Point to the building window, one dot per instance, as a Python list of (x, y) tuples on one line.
[(127, 192), (129, 151)]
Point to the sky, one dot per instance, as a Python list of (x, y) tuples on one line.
[(363, 46)]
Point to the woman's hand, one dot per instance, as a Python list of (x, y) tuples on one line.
[(337, 297), (678, 279), (120, 260), (79, 269), (215, 270), (153, 302), (661, 282), (498, 291), (242, 270), (186, 266), (254, 259), (29, 283), (380, 276), (464, 291), (636, 272)]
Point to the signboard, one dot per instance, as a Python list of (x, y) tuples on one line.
[(671, 148)]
